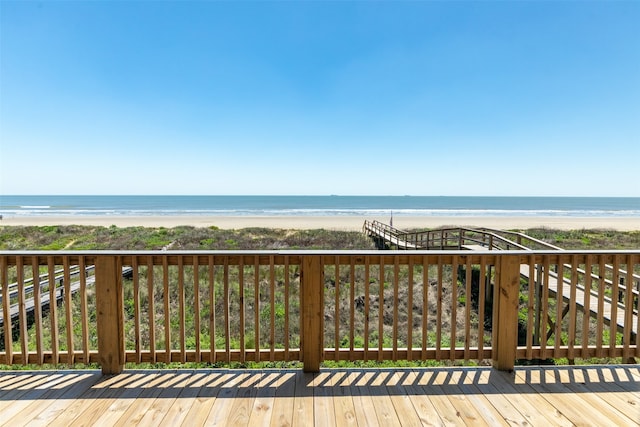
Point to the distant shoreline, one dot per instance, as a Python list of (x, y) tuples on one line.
[(343, 223)]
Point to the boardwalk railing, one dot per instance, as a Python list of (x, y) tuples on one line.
[(315, 306), (445, 238)]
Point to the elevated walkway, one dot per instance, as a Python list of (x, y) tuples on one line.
[(605, 309)]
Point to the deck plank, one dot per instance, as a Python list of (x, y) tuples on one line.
[(284, 402), (575, 406), (541, 395), (382, 403), (132, 391), (506, 397), (467, 381), (262, 409), (37, 407), (303, 402), (362, 400), (221, 410), (190, 389), (343, 399), (323, 407), (405, 411), (202, 403), (606, 397), (423, 406), (149, 391)]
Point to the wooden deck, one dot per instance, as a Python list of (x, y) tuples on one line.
[(538, 396)]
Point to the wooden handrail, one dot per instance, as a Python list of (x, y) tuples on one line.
[(310, 306)]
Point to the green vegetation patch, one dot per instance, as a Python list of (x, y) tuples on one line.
[(76, 237)]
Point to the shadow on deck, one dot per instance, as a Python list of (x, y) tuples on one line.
[(549, 395)]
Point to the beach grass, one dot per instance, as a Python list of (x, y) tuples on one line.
[(83, 237)]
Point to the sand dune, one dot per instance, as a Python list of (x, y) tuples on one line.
[(333, 222)]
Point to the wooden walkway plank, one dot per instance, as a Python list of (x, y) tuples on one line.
[(94, 393), (99, 408), (150, 390), (181, 406), (444, 408), (221, 411), (607, 387), (127, 396), (574, 406), (206, 397), (627, 375), (262, 409), (39, 398), (21, 384), (362, 400), (422, 404), (534, 408), (303, 402), (464, 408), (405, 411), (553, 395), (343, 399), (511, 413), (606, 397), (244, 400), (27, 393), (323, 407), (382, 403), (47, 411), (284, 402), (467, 380), (94, 414)]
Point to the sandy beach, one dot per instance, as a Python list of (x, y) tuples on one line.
[(348, 223)]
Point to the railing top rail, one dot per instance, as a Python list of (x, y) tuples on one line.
[(310, 252), (524, 236)]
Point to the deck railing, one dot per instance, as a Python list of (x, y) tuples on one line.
[(315, 306)]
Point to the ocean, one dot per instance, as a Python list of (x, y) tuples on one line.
[(362, 206)]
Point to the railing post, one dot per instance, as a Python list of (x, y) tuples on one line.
[(312, 283), (505, 323), (110, 315)]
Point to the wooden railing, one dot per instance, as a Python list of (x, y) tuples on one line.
[(315, 306), (443, 238)]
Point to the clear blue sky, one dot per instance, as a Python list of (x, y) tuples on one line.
[(372, 98)]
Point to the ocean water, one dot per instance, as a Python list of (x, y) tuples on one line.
[(362, 206)]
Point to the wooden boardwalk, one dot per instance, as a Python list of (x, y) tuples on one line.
[(538, 396), (605, 312), (45, 297), (603, 308)]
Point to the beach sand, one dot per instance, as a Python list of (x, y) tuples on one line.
[(347, 223)]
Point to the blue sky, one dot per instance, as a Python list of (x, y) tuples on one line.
[(372, 98)]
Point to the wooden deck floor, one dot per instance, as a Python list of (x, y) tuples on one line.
[(538, 396)]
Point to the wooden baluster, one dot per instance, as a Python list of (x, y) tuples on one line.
[(22, 313), (181, 310), (53, 309), (37, 299), (151, 309), (196, 306), (6, 311), (243, 349)]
